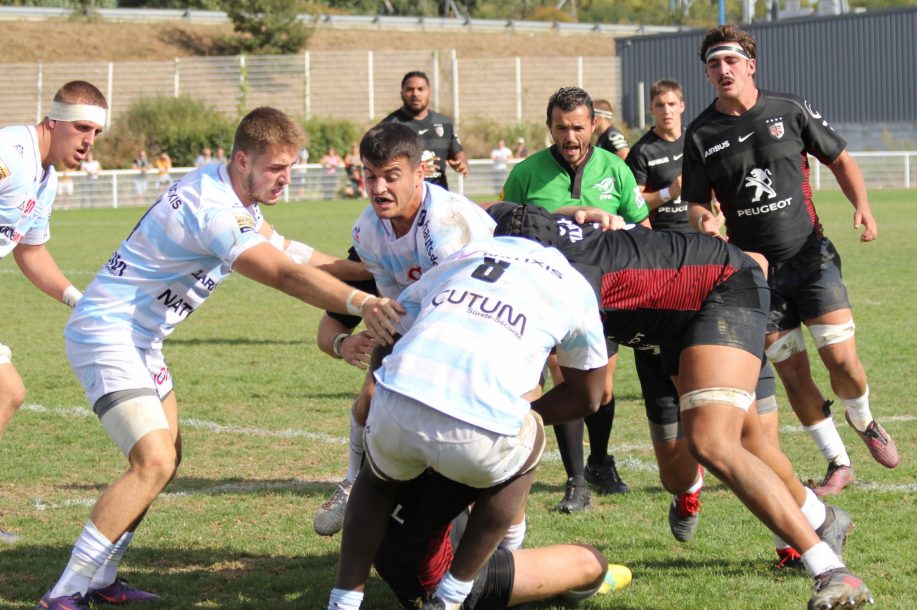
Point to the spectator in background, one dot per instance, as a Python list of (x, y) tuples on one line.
[(609, 138), (163, 167), (520, 152), (141, 164), (220, 157), (353, 167), (64, 181), (91, 166), (500, 156), (204, 158), (330, 163)]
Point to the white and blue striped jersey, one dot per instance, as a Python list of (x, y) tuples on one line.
[(26, 190), (480, 325), (178, 253), (444, 223)]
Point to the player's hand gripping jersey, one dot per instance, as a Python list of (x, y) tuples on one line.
[(26, 190), (444, 223), (479, 328), (178, 253)]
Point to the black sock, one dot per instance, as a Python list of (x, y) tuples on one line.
[(599, 426)]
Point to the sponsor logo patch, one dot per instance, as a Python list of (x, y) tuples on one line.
[(245, 223), (775, 127), (438, 129), (717, 148), (760, 180), (605, 188)]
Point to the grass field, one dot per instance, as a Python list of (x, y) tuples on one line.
[(264, 420)]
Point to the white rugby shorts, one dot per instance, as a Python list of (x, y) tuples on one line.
[(404, 437), (103, 369)]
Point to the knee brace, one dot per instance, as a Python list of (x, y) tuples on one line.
[(829, 334), (130, 420), (791, 343), (708, 396)]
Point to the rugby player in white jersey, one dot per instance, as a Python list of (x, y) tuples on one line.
[(200, 230), (28, 184), (409, 227), (452, 395)]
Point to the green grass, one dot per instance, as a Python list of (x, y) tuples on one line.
[(265, 417)]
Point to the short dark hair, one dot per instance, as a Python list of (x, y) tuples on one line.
[(81, 92), (666, 86), (389, 141), (729, 32), (414, 74), (264, 127), (568, 99)]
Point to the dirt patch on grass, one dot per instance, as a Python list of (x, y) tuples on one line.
[(65, 41)]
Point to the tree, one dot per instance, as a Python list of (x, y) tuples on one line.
[(267, 27)]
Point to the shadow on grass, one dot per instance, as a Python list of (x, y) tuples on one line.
[(185, 577)]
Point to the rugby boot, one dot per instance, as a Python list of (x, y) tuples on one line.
[(684, 514), (329, 519), (839, 589), (881, 446), (835, 528), (836, 479), (119, 592), (576, 498), (64, 602), (604, 476)]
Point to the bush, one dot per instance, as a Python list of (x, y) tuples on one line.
[(267, 27), (180, 126), (324, 132)]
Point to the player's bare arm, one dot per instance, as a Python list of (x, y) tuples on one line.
[(339, 341), (662, 196), (850, 178), (703, 219), (36, 263), (266, 264), (459, 163)]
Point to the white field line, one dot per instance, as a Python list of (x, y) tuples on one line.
[(551, 457)]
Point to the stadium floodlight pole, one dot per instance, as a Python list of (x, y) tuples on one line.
[(722, 12)]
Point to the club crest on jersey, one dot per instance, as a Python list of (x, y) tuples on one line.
[(776, 128), (245, 223), (605, 188), (760, 180), (438, 129)]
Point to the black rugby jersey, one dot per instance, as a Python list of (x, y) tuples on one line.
[(417, 549), (612, 140), (756, 164), (656, 163), (437, 136), (650, 283)]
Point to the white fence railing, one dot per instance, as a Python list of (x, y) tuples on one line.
[(125, 187)]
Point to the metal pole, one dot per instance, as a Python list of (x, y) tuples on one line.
[(641, 106), (39, 78), (111, 78), (307, 67), (370, 85), (518, 89), (455, 88), (436, 81), (722, 12), (176, 78), (579, 71), (907, 171), (114, 188)]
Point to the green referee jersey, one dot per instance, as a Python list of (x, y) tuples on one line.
[(602, 181)]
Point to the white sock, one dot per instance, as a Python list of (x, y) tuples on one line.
[(109, 570), (858, 411), (88, 554), (698, 484), (342, 599), (356, 449), (813, 509), (452, 590), (829, 442), (820, 558), (512, 541)]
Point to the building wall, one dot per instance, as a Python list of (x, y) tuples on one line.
[(854, 68)]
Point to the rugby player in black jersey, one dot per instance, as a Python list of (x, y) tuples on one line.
[(749, 149), (705, 303)]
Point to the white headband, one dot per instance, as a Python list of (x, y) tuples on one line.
[(730, 48), (605, 114), (62, 111)]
